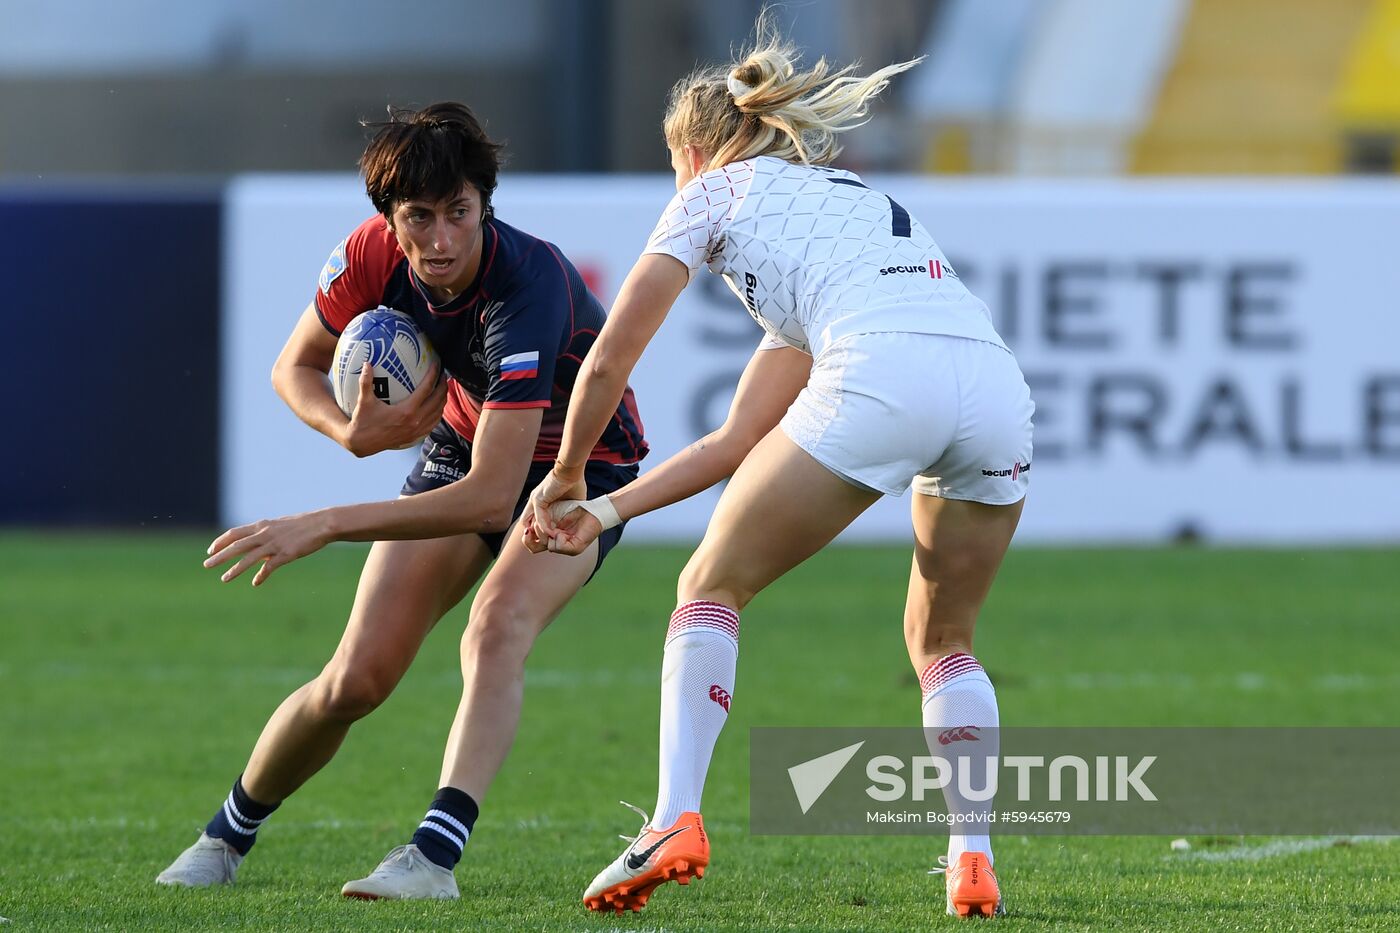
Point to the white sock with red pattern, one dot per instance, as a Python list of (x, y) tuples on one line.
[(697, 681), (960, 709)]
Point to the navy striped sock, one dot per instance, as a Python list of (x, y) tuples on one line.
[(238, 819), (446, 827)]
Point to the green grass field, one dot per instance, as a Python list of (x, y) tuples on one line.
[(135, 685)]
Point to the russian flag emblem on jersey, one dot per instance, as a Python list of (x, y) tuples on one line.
[(521, 365)]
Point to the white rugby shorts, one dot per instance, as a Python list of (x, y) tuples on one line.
[(949, 415)]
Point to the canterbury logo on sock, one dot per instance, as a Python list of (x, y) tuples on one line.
[(720, 696), (960, 734)]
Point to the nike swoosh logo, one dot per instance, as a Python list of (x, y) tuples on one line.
[(636, 860)]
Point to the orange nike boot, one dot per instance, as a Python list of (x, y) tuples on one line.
[(678, 853), (972, 886)]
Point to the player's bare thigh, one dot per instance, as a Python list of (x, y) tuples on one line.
[(780, 508), (958, 548), (405, 588), (524, 592)]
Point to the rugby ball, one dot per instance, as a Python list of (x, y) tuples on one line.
[(389, 341)]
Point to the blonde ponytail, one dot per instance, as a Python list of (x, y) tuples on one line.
[(763, 105)]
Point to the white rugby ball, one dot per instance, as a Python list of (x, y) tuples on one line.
[(389, 341)]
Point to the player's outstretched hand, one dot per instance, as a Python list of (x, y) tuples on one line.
[(274, 542), (575, 530), (375, 426)]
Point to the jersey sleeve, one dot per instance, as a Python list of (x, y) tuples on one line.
[(523, 340), (354, 277), (691, 226)]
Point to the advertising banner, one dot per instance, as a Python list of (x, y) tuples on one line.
[(1209, 360), (119, 427)]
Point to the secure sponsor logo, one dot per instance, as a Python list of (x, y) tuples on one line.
[(934, 269), (1014, 471)]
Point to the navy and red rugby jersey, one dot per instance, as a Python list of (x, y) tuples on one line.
[(515, 338)]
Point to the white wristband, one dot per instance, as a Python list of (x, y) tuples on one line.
[(600, 508)]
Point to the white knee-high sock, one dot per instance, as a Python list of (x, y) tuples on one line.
[(960, 719), (697, 682)]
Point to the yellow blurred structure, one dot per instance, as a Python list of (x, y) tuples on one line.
[(949, 151), (1253, 89), (1368, 100), (1370, 90)]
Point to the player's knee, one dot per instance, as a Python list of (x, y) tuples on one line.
[(932, 638), (701, 580), (346, 694), (501, 631), (938, 620)]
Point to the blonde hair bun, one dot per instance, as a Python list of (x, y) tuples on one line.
[(787, 112)]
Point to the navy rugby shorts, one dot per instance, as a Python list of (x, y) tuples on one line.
[(446, 457)]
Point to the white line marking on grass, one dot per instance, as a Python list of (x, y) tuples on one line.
[(1242, 681), (74, 825), (569, 679), (1280, 847), (541, 678)]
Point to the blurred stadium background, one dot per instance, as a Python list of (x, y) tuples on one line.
[(1157, 199), (1182, 213)]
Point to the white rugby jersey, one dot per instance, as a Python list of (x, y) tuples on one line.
[(815, 255)]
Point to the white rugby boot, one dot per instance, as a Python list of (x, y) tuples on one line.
[(208, 862), (405, 874)]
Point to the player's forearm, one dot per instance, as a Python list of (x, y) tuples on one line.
[(460, 508), (307, 392), (709, 460), (642, 303)]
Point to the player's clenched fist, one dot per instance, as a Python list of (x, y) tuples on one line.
[(553, 489), (375, 427), (575, 528), (577, 524)]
